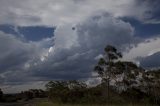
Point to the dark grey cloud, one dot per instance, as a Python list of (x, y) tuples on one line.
[(152, 16), (13, 52), (16, 55), (76, 66)]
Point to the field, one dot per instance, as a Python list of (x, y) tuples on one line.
[(44, 102), (52, 104)]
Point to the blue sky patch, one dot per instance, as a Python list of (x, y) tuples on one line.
[(31, 33), (9, 29), (35, 33), (143, 30)]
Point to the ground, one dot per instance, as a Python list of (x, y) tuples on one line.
[(45, 102)]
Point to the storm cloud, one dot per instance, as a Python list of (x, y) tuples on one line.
[(44, 40)]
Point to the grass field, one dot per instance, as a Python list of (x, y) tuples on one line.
[(52, 104)]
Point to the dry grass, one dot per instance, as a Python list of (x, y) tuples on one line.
[(53, 104)]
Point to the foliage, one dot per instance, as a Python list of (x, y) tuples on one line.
[(105, 67), (65, 91), (122, 82), (1, 95)]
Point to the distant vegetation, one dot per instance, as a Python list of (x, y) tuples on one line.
[(122, 83), (23, 96), (1, 95)]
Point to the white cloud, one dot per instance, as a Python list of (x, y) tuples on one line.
[(146, 53), (143, 49), (65, 37), (61, 12)]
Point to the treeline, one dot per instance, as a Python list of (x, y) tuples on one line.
[(23, 96), (122, 82), (1, 95), (78, 92)]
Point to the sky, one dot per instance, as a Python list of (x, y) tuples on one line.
[(43, 40)]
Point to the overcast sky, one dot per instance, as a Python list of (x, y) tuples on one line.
[(42, 40)]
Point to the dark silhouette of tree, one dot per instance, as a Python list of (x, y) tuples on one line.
[(1, 95), (105, 65)]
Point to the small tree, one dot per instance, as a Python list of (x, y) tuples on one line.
[(105, 65)]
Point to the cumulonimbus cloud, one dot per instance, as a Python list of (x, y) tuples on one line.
[(80, 37)]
